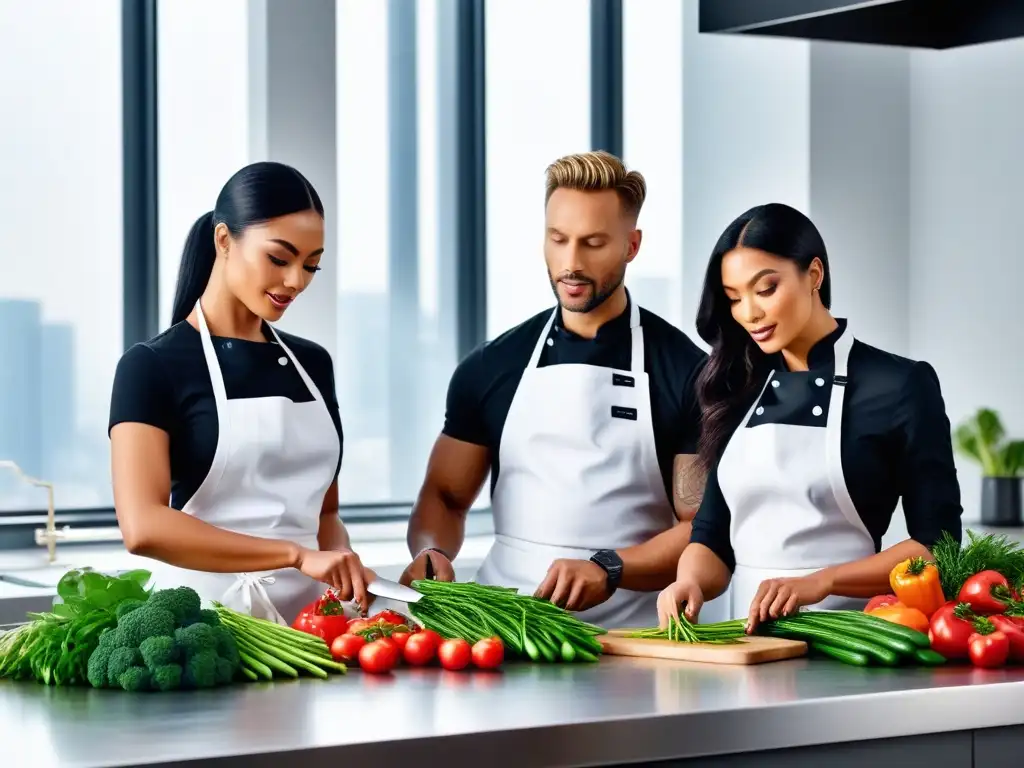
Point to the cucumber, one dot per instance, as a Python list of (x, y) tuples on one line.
[(919, 639), (842, 654), (864, 632), (808, 631), (928, 657)]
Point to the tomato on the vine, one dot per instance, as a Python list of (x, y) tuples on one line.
[(989, 650), (378, 657), (420, 649), (389, 617), (346, 647), (950, 628), (488, 653), (400, 637), (454, 654)]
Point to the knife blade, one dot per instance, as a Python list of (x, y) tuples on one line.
[(392, 590)]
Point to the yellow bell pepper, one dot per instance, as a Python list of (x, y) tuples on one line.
[(916, 583)]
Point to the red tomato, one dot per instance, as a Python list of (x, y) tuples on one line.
[(400, 638), (378, 657), (454, 654), (989, 650), (435, 638), (419, 649), (1014, 632), (880, 601), (346, 647), (389, 617), (986, 592), (488, 653), (949, 633)]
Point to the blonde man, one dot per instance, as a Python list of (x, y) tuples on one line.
[(586, 418)]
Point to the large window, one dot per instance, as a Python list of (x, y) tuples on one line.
[(395, 354), (202, 118), (652, 52), (60, 295), (538, 109)]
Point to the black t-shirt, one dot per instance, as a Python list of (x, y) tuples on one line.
[(484, 383), (895, 443), (165, 382)]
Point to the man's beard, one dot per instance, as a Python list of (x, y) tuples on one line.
[(598, 295)]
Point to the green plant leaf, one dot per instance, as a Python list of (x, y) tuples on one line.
[(990, 428), (967, 442), (69, 584), (1012, 458), (140, 576)]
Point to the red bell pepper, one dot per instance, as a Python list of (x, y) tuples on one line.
[(987, 592), (1013, 628), (324, 618)]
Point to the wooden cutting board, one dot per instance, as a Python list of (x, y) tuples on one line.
[(749, 650)]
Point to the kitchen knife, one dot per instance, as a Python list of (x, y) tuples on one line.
[(392, 590)]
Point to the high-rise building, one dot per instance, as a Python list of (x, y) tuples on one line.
[(57, 396)]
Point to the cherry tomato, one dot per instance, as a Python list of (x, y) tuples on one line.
[(880, 601), (1014, 631), (949, 633), (346, 647), (989, 650), (435, 638), (986, 592), (419, 649), (454, 654), (389, 617), (488, 653), (400, 638), (358, 625), (378, 657)]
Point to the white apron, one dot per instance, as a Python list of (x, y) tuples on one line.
[(578, 473), (791, 511), (274, 462)]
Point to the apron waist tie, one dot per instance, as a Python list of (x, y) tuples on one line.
[(249, 595)]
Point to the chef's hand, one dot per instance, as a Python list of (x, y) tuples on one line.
[(442, 569), (676, 594), (784, 597), (575, 585), (340, 569)]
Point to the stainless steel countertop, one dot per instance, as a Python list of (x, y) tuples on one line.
[(618, 711)]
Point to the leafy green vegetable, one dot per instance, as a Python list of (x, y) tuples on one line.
[(982, 438), (986, 552), (54, 648)]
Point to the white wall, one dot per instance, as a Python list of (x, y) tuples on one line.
[(966, 266)]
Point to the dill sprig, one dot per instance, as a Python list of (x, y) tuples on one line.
[(986, 552)]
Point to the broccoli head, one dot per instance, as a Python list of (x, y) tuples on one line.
[(159, 650), (120, 661), (127, 606), (201, 669), (148, 621), (167, 677), (227, 647), (96, 671), (196, 638), (209, 616), (182, 602), (135, 679)]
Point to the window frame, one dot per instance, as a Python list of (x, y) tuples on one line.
[(463, 253)]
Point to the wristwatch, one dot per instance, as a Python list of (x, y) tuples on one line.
[(611, 562)]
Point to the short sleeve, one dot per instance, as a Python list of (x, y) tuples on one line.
[(687, 435), (142, 392), (931, 491), (464, 417), (712, 522)]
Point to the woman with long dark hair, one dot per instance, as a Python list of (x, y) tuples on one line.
[(226, 440), (811, 437)]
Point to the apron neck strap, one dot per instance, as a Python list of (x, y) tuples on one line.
[(842, 349), (216, 377)]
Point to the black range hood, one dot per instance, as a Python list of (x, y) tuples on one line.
[(905, 23)]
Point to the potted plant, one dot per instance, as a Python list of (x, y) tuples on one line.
[(983, 439)]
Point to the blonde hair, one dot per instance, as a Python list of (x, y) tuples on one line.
[(596, 172)]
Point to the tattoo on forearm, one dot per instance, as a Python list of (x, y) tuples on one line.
[(689, 477)]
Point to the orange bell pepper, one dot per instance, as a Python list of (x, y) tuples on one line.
[(901, 614), (916, 583)]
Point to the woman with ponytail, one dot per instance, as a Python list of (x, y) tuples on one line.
[(225, 436), (811, 437)]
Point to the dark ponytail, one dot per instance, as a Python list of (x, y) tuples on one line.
[(737, 366), (196, 265), (257, 193)]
